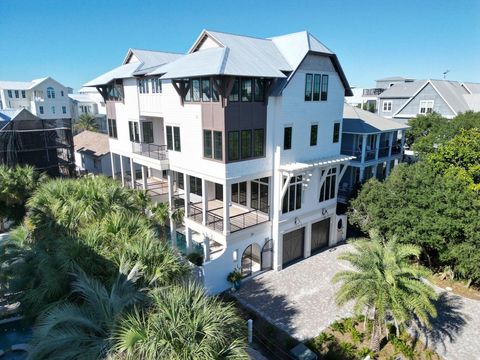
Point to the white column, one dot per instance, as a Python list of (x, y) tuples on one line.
[(186, 185), (362, 174), (206, 249), (276, 193), (390, 144), (364, 148), (402, 144), (377, 145), (226, 208), (307, 248), (188, 239), (144, 177), (132, 174), (122, 170), (112, 160), (204, 202), (173, 227)]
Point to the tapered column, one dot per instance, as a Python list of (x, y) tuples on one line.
[(206, 249), (122, 170), (132, 174), (204, 202), (112, 160), (364, 148), (144, 177), (226, 208)]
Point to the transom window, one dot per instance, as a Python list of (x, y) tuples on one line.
[(293, 196), (426, 106), (316, 87), (387, 105), (201, 89), (247, 90), (50, 92), (327, 191)]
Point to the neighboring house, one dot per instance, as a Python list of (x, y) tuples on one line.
[(377, 144), (243, 134), (367, 98), (45, 98), (46, 144), (89, 101), (92, 154), (447, 98)]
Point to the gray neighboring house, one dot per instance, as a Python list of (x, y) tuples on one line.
[(377, 144), (92, 153), (403, 101)]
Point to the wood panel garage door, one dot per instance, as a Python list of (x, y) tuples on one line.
[(293, 246), (320, 234)]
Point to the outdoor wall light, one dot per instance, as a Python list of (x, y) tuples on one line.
[(235, 255)]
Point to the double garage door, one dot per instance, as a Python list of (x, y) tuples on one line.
[(294, 241)]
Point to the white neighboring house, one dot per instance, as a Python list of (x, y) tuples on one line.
[(92, 154), (89, 101), (243, 134), (45, 97)]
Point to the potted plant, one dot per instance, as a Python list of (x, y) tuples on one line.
[(235, 278)]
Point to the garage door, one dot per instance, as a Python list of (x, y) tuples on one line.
[(293, 246), (320, 235)]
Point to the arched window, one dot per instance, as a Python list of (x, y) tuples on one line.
[(50, 93)]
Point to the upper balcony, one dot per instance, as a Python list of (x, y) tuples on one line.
[(151, 154), (372, 92)]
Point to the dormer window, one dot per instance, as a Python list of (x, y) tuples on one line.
[(50, 92)]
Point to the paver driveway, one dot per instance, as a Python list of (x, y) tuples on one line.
[(300, 300)]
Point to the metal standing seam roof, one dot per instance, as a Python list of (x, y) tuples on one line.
[(453, 93), (21, 85), (120, 72), (358, 121), (395, 78), (473, 88), (403, 90)]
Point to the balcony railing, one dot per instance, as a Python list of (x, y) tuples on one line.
[(356, 153), (153, 151), (178, 202), (237, 222), (374, 91), (370, 154), (396, 149), (383, 151)]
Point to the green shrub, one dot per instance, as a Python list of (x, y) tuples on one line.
[(347, 350), (364, 352), (338, 325), (357, 336), (195, 258), (403, 347)]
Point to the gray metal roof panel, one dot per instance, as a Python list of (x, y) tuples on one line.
[(120, 72), (403, 90), (453, 93), (473, 88), (358, 121)]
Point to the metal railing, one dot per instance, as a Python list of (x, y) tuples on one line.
[(237, 222), (178, 202), (373, 91), (154, 151), (356, 153), (396, 149), (383, 151), (370, 154)]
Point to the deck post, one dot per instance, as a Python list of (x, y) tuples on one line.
[(132, 173), (112, 160), (144, 177), (226, 208), (204, 202), (188, 240), (206, 249), (122, 170)]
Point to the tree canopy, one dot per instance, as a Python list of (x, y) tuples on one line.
[(86, 122)]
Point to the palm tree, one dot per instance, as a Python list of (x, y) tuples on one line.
[(83, 329), (86, 122), (385, 284), (161, 213), (182, 322)]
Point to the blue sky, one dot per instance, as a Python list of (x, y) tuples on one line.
[(76, 40)]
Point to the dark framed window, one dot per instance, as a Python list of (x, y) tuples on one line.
[(207, 143), (234, 93), (246, 145), (61, 92), (292, 199), (324, 94), (17, 94), (147, 131), (217, 145), (206, 89), (259, 194), (336, 132), (308, 87), (195, 185), (188, 94), (195, 90), (287, 138), (258, 142), (10, 95), (259, 90), (180, 182), (112, 127), (239, 193), (233, 145), (40, 108), (133, 131), (169, 138), (176, 139), (327, 191), (246, 90), (316, 87), (24, 95), (64, 109), (313, 134), (215, 96)]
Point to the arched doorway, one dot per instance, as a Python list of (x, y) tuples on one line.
[(267, 255), (251, 260)]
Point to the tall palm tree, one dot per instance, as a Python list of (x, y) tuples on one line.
[(385, 284), (86, 122), (182, 322), (83, 329)]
